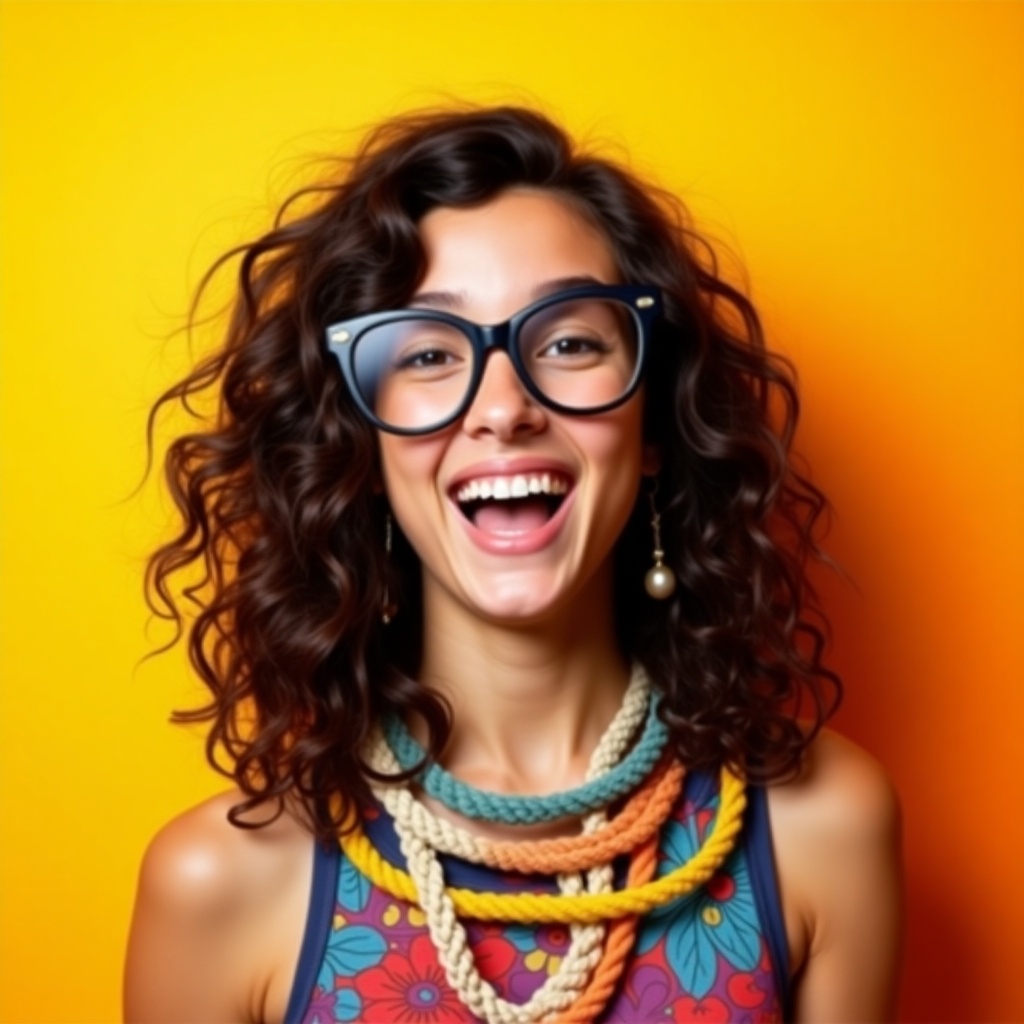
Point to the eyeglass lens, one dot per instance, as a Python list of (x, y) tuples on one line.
[(579, 353)]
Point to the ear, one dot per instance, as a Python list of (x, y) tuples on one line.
[(650, 463)]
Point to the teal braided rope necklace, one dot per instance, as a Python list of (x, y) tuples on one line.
[(483, 805)]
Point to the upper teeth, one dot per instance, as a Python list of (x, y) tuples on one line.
[(501, 488)]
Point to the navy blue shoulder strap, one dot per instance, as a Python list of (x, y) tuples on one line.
[(326, 863), (757, 842)]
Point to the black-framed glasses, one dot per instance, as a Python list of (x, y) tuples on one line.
[(579, 351)]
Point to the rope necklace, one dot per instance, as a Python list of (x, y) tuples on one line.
[(619, 942), (602, 923), (642, 817), (564, 987), (586, 908), (531, 810)]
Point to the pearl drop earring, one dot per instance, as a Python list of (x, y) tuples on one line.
[(660, 581)]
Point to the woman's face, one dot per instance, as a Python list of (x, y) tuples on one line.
[(524, 559)]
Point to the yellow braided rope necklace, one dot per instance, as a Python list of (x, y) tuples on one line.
[(585, 908)]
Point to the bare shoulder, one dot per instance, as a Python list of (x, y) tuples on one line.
[(219, 917), (204, 863), (842, 796), (836, 832)]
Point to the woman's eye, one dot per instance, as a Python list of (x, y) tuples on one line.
[(426, 359), (573, 345)]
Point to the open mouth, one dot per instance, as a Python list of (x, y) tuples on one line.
[(512, 505)]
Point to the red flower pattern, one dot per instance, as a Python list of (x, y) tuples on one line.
[(745, 991), (410, 990), (408, 985), (493, 954), (707, 1009), (721, 887)]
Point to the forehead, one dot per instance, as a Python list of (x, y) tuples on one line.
[(502, 252)]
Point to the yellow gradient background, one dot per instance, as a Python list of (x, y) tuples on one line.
[(865, 160)]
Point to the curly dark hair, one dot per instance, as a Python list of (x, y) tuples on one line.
[(282, 516)]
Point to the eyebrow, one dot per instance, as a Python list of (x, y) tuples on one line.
[(457, 300)]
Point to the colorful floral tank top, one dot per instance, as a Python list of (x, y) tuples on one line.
[(718, 954)]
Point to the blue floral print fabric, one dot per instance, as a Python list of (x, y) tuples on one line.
[(707, 957)]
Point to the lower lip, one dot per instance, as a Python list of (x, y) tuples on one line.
[(519, 543)]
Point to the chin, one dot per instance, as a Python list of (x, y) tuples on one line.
[(522, 601)]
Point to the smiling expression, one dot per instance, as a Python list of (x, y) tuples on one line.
[(514, 509)]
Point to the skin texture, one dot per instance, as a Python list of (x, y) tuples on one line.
[(475, 261), (523, 648), (218, 919)]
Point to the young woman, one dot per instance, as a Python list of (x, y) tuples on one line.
[(513, 660)]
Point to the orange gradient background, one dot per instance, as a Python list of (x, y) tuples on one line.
[(865, 161)]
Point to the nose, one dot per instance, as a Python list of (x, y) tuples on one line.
[(502, 406)]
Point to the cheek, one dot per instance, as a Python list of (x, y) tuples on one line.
[(616, 453), (409, 467), (615, 442)]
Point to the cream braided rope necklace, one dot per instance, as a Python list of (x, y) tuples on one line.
[(565, 985), (587, 908), (642, 817)]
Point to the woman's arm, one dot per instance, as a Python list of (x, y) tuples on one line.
[(836, 832), (218, 920)]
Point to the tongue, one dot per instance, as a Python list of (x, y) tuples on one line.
[(520, 515)]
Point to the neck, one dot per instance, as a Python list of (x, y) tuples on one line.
[(529, 703)]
